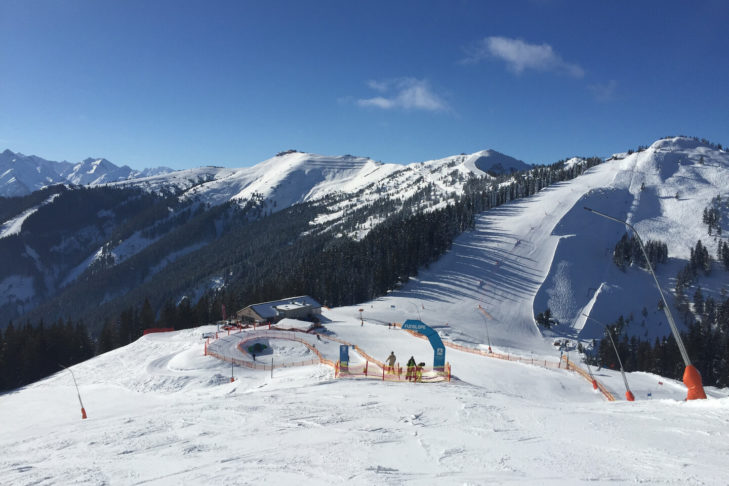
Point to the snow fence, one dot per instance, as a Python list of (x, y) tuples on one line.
[(568, 365), (214, 349)]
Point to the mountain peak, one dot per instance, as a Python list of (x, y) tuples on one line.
[(495, 163)]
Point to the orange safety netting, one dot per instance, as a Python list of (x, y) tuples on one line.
[(537, 362)]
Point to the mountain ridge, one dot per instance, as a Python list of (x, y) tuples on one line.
[(23, 174)]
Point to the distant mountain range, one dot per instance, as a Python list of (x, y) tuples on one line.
[(287, 178), (22, 174)]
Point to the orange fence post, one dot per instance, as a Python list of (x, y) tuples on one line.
[(367, 364)]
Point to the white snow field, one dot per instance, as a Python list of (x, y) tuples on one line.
[(159, 412)]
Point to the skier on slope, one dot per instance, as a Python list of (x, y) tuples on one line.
[(391, 362)]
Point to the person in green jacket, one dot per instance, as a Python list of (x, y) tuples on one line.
[(411, 369)]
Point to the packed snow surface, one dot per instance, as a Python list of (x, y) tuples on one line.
[(160, 412)]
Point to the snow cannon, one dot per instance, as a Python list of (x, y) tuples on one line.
[(692, 380)]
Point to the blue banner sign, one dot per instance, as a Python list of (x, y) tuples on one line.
[(433, 337), (343, 356)]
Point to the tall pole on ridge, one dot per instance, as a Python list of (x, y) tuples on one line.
[(691, 376)]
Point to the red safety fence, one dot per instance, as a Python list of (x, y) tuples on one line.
[(397, 373), (376, 369), (157, 329), (573, 367)]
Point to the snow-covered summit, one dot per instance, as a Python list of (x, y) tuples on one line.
[(93, 171), (493, 162), (22, 174)]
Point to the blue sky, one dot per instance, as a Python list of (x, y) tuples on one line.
[(189, 83)]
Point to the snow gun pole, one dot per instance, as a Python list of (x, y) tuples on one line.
[(691, 376), (592, 377), (83, 410), (486, 316), (628, 394)]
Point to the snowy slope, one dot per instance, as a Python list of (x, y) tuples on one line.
[(14, 225), (547, 251), (162, 413)]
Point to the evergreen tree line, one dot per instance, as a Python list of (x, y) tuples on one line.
[(627, 251), (29, 353)]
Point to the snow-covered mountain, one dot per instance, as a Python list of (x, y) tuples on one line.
[(294, 177), (22, 174), (547, 246)]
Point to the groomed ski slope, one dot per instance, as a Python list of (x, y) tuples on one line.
[(162, 413), (548, 251)]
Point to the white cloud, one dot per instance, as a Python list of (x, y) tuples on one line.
[(520, 56), (380, 86), (604, 91), (405, 93)]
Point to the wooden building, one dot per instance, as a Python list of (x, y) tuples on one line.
[(302, 307)]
